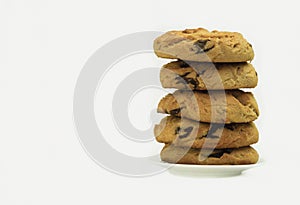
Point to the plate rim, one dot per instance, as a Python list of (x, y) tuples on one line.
[(225, 166)]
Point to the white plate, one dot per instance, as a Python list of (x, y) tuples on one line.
[(208, 170)]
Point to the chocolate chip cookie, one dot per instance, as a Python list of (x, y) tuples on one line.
[(208, 76), (203, 46), (230, 106), (189, 133), (182, 155)]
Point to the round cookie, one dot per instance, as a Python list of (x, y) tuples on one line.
[(188, 133), (208, 76), (181, 155), (203, 46), (235, 106)]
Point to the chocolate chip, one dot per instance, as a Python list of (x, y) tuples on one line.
[(200, 46), (201, 43), (183, 64), (220, 153), (216, 155), (229, 126), (185, 31), (186, 132), (193, 82), (208, 49), (175, 111), (185, 80), (182, 76), (179, 79), (212, 130), (177, 130)]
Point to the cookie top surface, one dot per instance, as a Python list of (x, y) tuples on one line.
[(208, 76), (204, 33), (204, 46)]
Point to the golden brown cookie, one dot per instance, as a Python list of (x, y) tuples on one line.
[(181, 155), (208, 76), (203, 46), (188, 133), (232, 106)]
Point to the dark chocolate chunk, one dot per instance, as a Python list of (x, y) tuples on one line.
[(220, 153), (216, 155), (175, 111), (185, 80), (200, 46), (186, 132), (183, 64), (182, 76), (229, 126), (185, 31), (177, 130), (193, 82), (201, 43), (213, 129), (208, 49)]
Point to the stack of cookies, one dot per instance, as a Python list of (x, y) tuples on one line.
[(210, 118)]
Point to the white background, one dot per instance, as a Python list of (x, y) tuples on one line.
[(43, 46)]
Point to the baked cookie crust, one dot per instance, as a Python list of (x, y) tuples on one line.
[(208, 76), (181, 155), (189, 133), (231, 106), (203, 46)]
